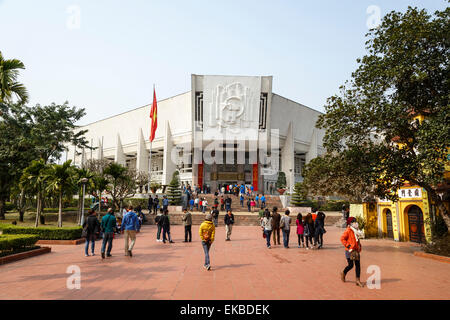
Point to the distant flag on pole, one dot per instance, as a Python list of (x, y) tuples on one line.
[(153, 117)]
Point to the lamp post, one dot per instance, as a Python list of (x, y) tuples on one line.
[(83, 181)]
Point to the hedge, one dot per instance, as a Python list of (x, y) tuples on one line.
[(14, 242), (45, 233)]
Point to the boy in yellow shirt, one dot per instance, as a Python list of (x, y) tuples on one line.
[(206, 232)]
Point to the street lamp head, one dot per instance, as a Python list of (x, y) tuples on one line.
[(84, 180)]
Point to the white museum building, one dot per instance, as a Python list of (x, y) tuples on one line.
[(225, 130)]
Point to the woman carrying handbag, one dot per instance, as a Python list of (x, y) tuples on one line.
[(350, 240)]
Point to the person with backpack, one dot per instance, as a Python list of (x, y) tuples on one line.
[(158, 222), (300, 231), (285, 226), (91, 228), (108, 225), (187, 221), (229, 221), (215, 214), (207, 231), (266, 224), (276, 217), (319, 229), (309, 229), (130, 226), (165, 223), (352, 244)]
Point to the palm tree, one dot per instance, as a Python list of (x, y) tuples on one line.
[(33, 181), (100, 185), (9, 87), (80, 174), (61, 179)]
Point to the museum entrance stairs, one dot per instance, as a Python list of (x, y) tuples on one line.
[(271, 201)]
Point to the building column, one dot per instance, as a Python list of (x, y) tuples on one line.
[(168, 166), (100, 150), (119, 156), (312, 153), (288, 156), (142, 159)]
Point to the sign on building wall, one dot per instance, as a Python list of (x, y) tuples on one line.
[(231, 107), (410, 193), (426, 216), (395, 222)]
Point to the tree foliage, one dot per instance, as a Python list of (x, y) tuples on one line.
[(9, 86), (372, 135), (174, 190)]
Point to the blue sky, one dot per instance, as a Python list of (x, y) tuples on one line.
[(109, 64)]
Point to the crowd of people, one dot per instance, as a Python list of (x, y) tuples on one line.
[(309, 229)]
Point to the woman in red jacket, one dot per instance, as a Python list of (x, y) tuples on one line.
[(350, 240)]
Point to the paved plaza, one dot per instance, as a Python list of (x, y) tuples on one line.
[(241, 269)]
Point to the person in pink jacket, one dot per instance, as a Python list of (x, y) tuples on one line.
[(300, 230)]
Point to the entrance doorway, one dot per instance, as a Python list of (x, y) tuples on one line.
[(415, 223), (389, 229)]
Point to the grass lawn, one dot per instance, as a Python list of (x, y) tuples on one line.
[(51, 219)]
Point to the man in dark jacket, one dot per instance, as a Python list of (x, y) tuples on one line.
[(92, 227), (108, 225), (155, 204), (215, 215), (187, 221), (165, 223), (229, 221), (150, 204), (276, 217)]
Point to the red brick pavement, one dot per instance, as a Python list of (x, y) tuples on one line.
[(241, 269)]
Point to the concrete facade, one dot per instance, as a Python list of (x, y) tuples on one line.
[(227, 129)]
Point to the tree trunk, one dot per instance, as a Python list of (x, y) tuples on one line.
[(38, 206), (99, 203), (443, 212), (21, 205), (2, 209), (60, 210), (79, 207)]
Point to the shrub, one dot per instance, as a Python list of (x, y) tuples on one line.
[(281, 181), (9, 206), (13, 242), (439, 246), (438, 227), (45, 233), (136, 202)]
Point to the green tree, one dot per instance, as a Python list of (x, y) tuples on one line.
[(404, 74), (80, 174), (33, 181), (60, 179), (174, 191), (281, 180), (300, 194), (9, 86), (122, 183)]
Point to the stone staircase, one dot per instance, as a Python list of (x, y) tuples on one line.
[(271, 201)]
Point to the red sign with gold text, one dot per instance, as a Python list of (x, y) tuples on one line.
[(255, 177), (200, 175)]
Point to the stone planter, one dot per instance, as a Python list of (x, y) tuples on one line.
[(281, 191)]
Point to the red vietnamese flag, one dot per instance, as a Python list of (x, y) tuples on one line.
[(153, 116)]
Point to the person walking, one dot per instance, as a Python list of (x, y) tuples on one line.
[(319, 229), (156, 204), (130, 226), (229, 221), (241, 200), (228, 203), (222, 203), (257, 200), (300, 231), (187, 221), (215, 214), (249, 203), (191, 204), (351, 241), (266, 224), (252, 205), (204, 205), (150, 204), (263, 201), (107, 226), (309, 229), (165, 203), (165, 224), (207, 231), (92, 227), (158, 222), (196, 201), (285, 225), (276, 217)]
